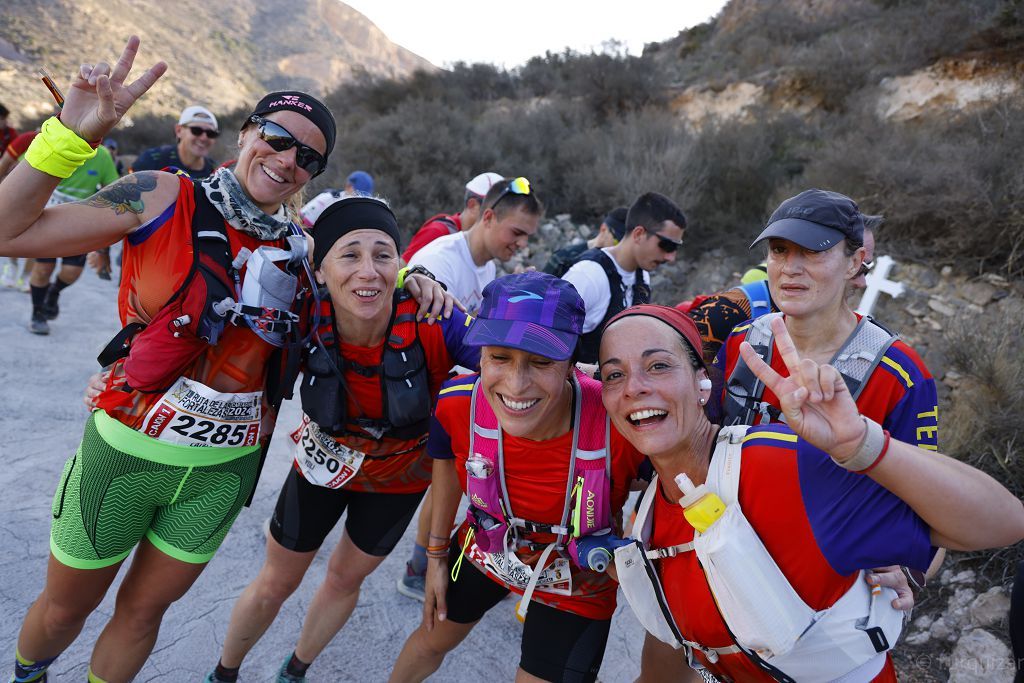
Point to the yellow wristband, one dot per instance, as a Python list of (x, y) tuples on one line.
[(400, 284), (57, 151)]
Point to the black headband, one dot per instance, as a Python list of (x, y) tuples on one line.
[(305, 104), (350, 214)]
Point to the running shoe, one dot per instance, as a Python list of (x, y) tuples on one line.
[(284, 677), (51, 307), (103, 274), (411, 584), (22, 285), (9, 277), (38, 324), (41, 679)]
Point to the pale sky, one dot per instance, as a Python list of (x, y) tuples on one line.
[(509, 33)]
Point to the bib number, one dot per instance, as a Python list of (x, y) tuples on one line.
[(193, 414), (322, 460), (556, 577)]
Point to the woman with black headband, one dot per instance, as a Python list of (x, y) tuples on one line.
[(370, 378), (214, 296)]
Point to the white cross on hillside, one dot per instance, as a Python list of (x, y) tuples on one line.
[(878, 282)]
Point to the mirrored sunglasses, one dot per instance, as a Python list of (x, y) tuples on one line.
[(279, 139)]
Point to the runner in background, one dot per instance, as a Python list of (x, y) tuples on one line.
[(448, 224), (612, 230), (615, 278), (464, 261), (527, 440), (10, 277), (195, 134), (359, 184), (94, 174), (360, 447)]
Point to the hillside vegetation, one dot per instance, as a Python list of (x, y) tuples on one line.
[(594, 130)]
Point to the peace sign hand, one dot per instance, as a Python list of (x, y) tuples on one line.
[(814, 398), (98, 97)]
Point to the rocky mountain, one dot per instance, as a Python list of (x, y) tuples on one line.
[(220, 54)]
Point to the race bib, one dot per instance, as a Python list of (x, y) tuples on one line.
[(556, 577), (324, 461), (193, 414)]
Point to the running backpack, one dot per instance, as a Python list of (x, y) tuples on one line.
[(194, 317), (590, 342), (404, 379)]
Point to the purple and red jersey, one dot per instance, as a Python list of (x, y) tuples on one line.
[(900, 395), (820, 523)]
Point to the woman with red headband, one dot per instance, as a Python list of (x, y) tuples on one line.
[(748, 543)]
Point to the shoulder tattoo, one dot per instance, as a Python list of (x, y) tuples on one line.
[(125, 196)]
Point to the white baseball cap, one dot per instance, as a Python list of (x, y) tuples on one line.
[(482, 183), (197, 114)]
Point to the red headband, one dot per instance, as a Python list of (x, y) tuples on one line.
[(674, 318)]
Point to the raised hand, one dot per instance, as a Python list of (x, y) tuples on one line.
[(814, 398), (98, 96)]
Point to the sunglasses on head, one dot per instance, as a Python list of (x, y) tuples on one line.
[(518, 185), (665, 244), (197, 131), (279, 139)]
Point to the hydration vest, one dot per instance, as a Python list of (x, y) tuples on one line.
[(768, 621), (759, 298), (404, 380), (590, 342), (209, 298), (856, 360), (587, 505)]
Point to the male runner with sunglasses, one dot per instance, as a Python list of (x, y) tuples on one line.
[(196, 132), (612, 279)]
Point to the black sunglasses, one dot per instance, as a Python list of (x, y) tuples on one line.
[(197, 131), (665, 244), (279, 139)]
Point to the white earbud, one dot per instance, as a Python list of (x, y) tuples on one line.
[(704, 384)]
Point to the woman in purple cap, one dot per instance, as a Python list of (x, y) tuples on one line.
[(528, 441), (214, 290)]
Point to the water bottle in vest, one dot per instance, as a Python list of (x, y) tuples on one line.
[(702, 507), (479, 467)]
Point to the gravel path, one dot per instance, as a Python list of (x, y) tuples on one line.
[(40, 426)]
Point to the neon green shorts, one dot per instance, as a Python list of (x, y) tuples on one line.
[(122, 486)]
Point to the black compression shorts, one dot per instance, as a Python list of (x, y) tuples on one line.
[(306, 513), (67, 260), (556, 645)]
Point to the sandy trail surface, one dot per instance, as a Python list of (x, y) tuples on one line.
[(41, 381)]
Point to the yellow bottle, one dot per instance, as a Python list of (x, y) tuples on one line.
[(703, 507)]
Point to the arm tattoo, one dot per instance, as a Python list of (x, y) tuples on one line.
[(126, 194)]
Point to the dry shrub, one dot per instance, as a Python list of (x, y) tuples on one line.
[(983, 424)]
